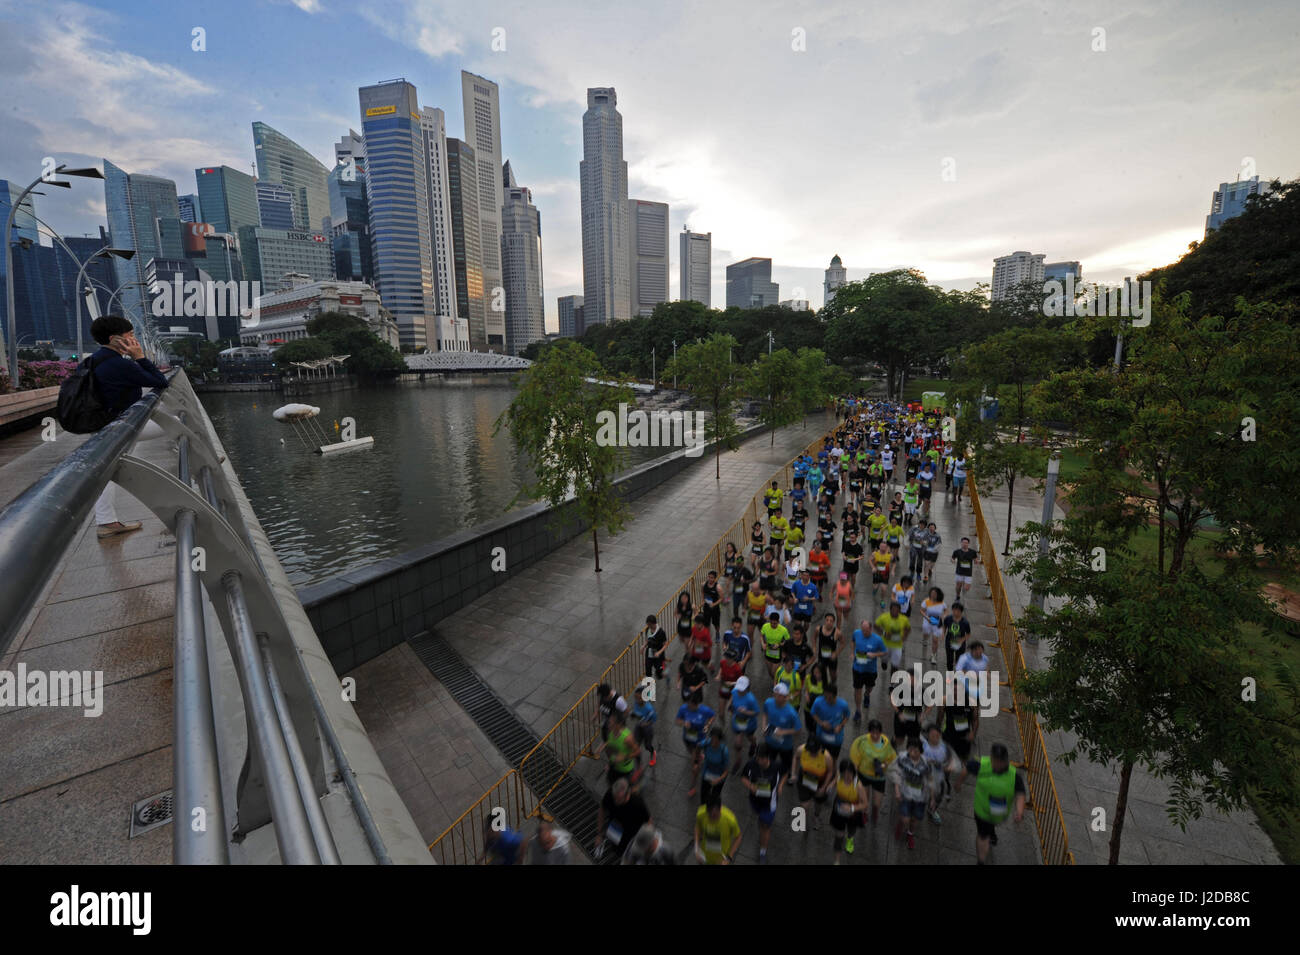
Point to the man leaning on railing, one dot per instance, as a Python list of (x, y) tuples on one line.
[(122, 373)]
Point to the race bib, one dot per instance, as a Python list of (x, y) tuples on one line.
[(763, 791), (691, 736), (711, 777), (960, 724), (861, 659), (614, 833), (997, 807), (955, 643), (826, 653), (826, 736), (713, 845)]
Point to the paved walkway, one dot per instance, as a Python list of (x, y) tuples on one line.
[(1149, 837)]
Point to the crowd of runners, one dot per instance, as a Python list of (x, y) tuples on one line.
[(764, 709)]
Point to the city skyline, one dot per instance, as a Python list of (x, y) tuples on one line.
[(988, 93)]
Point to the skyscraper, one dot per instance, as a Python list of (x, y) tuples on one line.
[(100, 271), (750, 285), (569, 306), (350, 148), (467, 256), (134, 203), (433, 126), (836, 276), (228, 198), (275, 206), (521, 267), (695, 254), (191, 208), (350, 222), (482, 102), (647, 254), (607, 294), (1230, 200), (397, 188), (281, 160), (1011, 270)]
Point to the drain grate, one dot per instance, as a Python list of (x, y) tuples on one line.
[(572, 803), (151, 812)]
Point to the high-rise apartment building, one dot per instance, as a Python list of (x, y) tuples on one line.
[(134, 203), (695, 265), (1014, 269), (397, 187), (750, 285), (482, 102), (467, 255), (281, 160), (433, 127), (275, 206), (1230, 200), (521, 269), (836, 277), (648, 254), (607, 293), (569, 306)]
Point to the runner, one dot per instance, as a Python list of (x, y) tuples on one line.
[(830, 714), (961, 723), (894, 628), (843, 597), (768, 570), (868, 648), (622, 749), (915, 551), (656, 649), (621, 815), (887, 464), (717, 761), (738, 642), (909, 709), (882, 562), (965, 559), (695, 719), (973, 660), (876, 525), (742, 575), (871, 755), (794, 538), (717, 834), (814, 685), (762, 777), (846, 812), (956, 630), (903, 594), (793, 564), (701, 642), (932, 543), (712, 595), (649, 848), (607, 701), (911, 494), (781, 724), (756, 539), (645, 714), (789, 674), (852, 553), (744, 719), (911, 789), (685, 617), (691, 678), (819, 563), (925, 488), (829, 641), (941, 759), (933, 616), (958, 477), (772, 500), (777, 528), (755, 604), (806, 595), (730, 672), (816, 772), (997, 786), (773, 637), (897, 507)]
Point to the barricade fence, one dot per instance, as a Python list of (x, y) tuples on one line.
[(1053, 840), (576, 733)]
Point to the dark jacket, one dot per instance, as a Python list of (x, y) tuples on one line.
[(122, 380)]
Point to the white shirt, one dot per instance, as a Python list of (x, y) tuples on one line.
[(968, 662)]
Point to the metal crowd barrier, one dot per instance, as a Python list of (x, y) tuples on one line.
[(572, 736), (281, 780), (1053, 840)]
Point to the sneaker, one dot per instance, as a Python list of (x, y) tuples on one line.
[(116, 528), (848, 845), (911, 841), (857, 716), (654, 758), (936, 818)]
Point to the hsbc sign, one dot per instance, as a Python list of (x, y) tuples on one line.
[(305, 236)]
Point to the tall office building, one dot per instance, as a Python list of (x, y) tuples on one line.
[(24, 228), (647, 254), (607, 293), (750, 285), (191, 208), (350, 148), (467, 255), (695, 263), (100, 272), (134, 203), (281, 160), (1230, 200), (271, 254), (568, 308), (521, 269), (482, 102), (397, 188), (433, 126), (350, 223), (836, 277), (275, 206), (228, 198), (1011, 270)]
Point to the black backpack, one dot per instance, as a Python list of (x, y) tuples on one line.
[(81, 408)]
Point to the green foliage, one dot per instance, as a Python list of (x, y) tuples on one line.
[(774, 380), (706, 371), (198, 354), (338, 333), (301, 349), (554, 420)]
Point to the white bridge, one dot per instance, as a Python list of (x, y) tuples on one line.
[(451, 362)]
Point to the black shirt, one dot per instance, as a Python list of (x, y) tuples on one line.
[(759, 776), (852, 554), (965, 561), (710, 592), (655, 642), (956, 631), (629, 818)]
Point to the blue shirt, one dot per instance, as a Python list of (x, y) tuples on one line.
[(716, 761), (122, 380), (823, 709), (739, 642), (866, 643), (693, 731), (798, 493), (804, 595), (506, 850), (644, 711), (781, 717), (744, 701)]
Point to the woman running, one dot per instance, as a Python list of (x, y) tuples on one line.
[(933, 610), (843, 598), (816, 772), (829, 640), (846, 813)]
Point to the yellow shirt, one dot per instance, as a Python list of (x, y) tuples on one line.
[(864, 753), (716, 838), (878, 522), (892, 629), (794, 537)]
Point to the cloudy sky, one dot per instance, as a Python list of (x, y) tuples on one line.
[(928, 134)]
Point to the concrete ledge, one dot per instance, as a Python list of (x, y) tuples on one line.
[(366, 611)]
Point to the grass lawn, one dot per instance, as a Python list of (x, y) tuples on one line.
[(913, 387)]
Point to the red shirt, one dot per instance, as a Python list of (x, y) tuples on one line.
[(731, 672), (701, 644)]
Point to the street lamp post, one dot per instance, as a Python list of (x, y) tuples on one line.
[(674, 364), (654, 374), (104, 253), (10, 316), (770, 339)]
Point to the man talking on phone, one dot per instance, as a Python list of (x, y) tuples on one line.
[(122, 373)]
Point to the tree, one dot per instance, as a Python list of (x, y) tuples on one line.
[(818, 381), (555, 419), (705, 371), (775, 379), (301, 349)]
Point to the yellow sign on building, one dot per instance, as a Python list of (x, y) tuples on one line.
[(380, 110)]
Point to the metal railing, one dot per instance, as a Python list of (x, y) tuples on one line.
[(282, 779), (1053, 840), (574, 733)]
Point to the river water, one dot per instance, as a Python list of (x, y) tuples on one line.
[(435, 469)]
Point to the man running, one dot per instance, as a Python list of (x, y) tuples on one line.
[(871, 755), (762, 778), (956, 631), (830, 713), (911, 790), (894, 628), (997, 786), (868, 649), (717, 834), (772, 637), (965, 560), (781, 724), (696, 720), (846, 810), (744, 719), (882, 562)]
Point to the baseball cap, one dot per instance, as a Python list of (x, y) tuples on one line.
[(742, 684), (621, 705), (781, 690)]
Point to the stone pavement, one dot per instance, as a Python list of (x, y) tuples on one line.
[(1149, 837)]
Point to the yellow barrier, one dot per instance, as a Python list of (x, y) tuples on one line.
[(573, 735), (1053, 840)]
